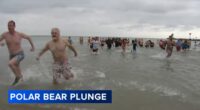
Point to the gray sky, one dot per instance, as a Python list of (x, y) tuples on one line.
[(136, 18)]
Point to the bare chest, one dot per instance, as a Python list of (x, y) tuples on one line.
[(170, 43), (57, 47), (13, 40)]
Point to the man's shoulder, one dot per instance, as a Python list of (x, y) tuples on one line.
[(4, 34), (49, 42), (65, 40), (20, 33)]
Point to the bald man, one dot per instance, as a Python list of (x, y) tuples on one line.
[(57, 46), (13, 40)]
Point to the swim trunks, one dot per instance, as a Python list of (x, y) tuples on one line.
[(61, 69), (19, 56)]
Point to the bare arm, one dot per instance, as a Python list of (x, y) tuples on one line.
[(30, 41), (1, 39), (46, 48), (71, 47), (174, 43)]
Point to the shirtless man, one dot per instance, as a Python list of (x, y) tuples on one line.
[(124, 43), (95, 45), (57, 46), (170, 43), (134, 44), (13, 40)]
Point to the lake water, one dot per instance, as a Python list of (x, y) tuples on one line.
[(145, 80)]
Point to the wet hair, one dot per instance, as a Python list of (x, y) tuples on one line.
[(11, 21)]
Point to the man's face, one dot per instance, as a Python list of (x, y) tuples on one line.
[(170, 38), (55, 34), (11, 27)]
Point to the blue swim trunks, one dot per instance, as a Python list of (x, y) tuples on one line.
[(19, 56)]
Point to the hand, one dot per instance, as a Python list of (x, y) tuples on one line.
[(32, 49), (2, 44), (38, 58), (75, 54)]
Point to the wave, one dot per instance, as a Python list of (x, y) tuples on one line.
[(160, 56), (155, 88), (163, 90)]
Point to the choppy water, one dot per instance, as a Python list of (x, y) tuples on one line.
[(142, 81)]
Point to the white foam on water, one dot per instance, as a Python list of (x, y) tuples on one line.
[(138, 86), (162, 90), (165, 90), (77, 72), (38, 72), (161, 56), (128, 51), (100, 74), (43, 73), (120, 51), (81, 74)]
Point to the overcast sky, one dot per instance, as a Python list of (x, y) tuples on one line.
[(136, 18)]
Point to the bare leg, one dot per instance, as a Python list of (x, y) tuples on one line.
[(169, 53), (16, 70), (68, 76), (55, 77), (55, 82), (19, 71), (67, 73)]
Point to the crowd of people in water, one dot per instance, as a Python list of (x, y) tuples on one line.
[(57, 46), (166, 44)]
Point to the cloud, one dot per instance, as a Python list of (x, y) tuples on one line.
[(103, 17)]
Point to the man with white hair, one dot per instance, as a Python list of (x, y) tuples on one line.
[(57, 46)]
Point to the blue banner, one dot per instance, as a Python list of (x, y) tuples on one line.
[(59, 96)]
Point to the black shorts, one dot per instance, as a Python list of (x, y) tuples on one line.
[(91, 46), (95, 50)]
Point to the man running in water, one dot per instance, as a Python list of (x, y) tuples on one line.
[(124, 42), (57, 46), (95, 45), (170, 43), (13, 40), (109, 43), (134, 44)]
